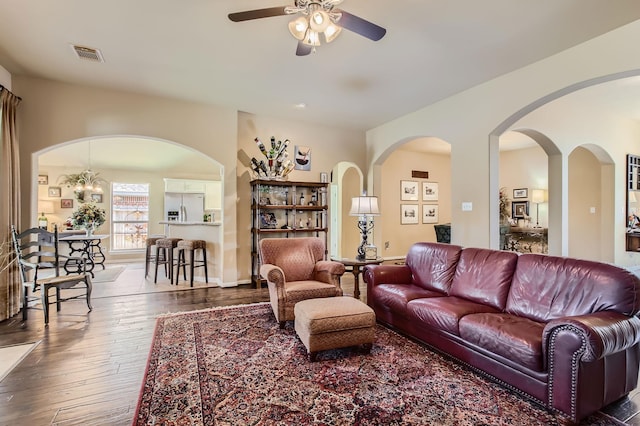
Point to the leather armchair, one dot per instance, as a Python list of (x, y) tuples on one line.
[(295, 270)]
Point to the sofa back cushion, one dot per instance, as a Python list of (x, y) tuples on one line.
[(484, 276), (549, 287), (432, 265)]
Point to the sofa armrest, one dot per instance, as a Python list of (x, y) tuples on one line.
[(591, 359), (387, 274), (604, 332), (328, 271)]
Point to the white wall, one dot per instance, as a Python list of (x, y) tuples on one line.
[(5, 78)]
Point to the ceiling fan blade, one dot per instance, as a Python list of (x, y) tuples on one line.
[(303, 49), (361, 26), (257, 14)]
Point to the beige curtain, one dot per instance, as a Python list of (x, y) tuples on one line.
[(10, 204)]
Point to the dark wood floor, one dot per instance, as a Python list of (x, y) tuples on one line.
[(88, 368)]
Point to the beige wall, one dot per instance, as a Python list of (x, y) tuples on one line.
[(584, 195), (67, 112), (52, 113), (329, 146), (397, 167), (473, 120), (526, 168)]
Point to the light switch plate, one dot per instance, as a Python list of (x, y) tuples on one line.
[(467, 206)]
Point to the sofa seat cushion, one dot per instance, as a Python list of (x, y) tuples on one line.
[(395, 297), (444, 313), (515, 338)]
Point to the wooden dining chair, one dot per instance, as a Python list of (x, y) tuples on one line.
[(39, 260)]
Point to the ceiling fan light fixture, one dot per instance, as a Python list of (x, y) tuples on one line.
[(319, 20), (312, 38), (332, 32), (298, 28)]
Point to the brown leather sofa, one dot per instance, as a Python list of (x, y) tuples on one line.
[(561, 331)]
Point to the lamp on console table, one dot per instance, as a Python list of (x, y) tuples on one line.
[(538, 197), (364, 207)]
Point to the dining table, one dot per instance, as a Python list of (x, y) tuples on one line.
[(88, 248)]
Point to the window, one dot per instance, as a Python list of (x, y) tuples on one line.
[(129, 216)]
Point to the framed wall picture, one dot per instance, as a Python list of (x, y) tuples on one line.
[(519, 209), (429, 191), (302, 158), (408, 190), (429, 213), (96, 198), (43, 179), (66, 203), (521, 193), (55, 191), (408, 214)]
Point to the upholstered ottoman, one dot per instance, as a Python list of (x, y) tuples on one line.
[(334, 322)]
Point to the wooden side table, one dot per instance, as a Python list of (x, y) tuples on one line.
[(355, 266)]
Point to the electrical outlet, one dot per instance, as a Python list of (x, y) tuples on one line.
[(386, 245)]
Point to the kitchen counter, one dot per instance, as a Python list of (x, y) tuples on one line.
[(187, 223), (211, 232)]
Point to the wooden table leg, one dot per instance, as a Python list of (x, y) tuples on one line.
[(356, 281)]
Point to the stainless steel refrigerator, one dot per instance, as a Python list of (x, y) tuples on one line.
[(189, 207)]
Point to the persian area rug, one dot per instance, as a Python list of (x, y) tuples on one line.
[(234, 366)]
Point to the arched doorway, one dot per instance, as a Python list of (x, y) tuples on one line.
[(130, 160)]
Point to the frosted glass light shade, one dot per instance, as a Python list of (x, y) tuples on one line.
[(332, 32), (298, 28)]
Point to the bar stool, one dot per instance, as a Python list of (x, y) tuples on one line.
[(192, 246), (149, 254), (164, 256)]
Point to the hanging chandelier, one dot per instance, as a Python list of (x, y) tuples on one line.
[(85, 181)]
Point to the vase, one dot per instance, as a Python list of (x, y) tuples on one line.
[(88, 229)]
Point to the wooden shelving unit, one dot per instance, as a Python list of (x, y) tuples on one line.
[(286, 209)]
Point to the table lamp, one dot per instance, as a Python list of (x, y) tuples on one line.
[(537, 197), (45, 207), (365, 207)]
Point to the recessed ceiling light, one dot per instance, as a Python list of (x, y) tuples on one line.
[(301, 105)]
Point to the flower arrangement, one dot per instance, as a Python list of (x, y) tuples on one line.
[(88, 216), (504, 205)]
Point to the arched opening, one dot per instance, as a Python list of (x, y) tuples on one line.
[(131, 161), (422, 164), (347, 182), (591, 209)]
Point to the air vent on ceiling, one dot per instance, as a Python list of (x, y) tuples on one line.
[(88, 53)]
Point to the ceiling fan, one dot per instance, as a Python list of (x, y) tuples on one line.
[(316, 17)]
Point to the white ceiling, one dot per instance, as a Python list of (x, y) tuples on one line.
[(190, 50)]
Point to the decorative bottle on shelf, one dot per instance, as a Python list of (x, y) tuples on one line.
[(301, 202), (43, 222)]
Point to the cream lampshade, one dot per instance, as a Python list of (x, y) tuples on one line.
[(364, 207), (538, 196)]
